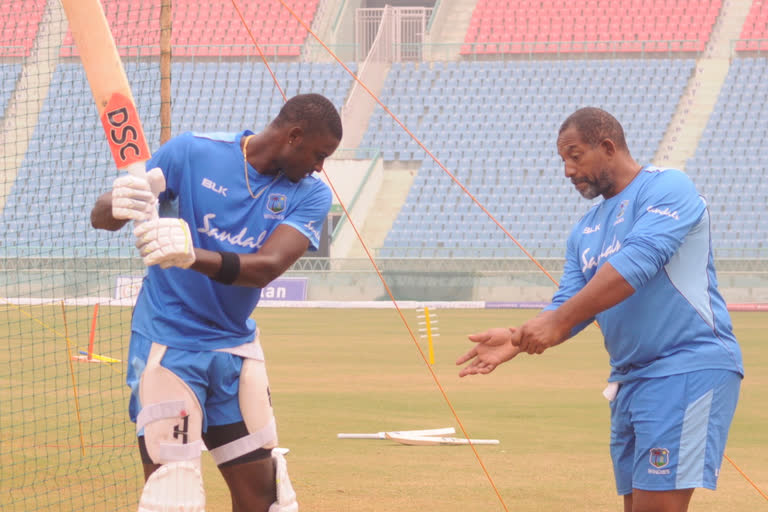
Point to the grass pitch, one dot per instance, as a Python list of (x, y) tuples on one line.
[(337, 371)]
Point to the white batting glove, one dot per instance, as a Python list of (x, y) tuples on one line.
[(166, 242), (135, 198)]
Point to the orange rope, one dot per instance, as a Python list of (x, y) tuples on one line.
[(378, 271), (74, 382), (746, 477), (373, 262), (418, 347), (421, 145), (261, 53)]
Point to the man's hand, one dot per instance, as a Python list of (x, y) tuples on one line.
[(166, 242), (135, 198), (494, 347), (540, 333)]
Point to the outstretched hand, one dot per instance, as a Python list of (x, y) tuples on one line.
[(493, 347)]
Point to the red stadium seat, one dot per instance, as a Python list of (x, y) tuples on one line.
[(591, 20), (755, 27), (192, 22)]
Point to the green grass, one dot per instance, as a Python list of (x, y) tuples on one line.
[(358, 371)]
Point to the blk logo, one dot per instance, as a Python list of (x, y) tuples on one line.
[(210, 185)]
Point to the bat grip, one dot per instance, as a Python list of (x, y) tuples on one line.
[(138, 169)]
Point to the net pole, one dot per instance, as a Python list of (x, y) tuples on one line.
[(166, 26)]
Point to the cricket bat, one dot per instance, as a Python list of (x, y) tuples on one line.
[(435, 441), (109, 84), (383, 435)]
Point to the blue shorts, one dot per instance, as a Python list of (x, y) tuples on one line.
[(213, 376), (670, 432)]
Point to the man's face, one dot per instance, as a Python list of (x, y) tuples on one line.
[(586, 166), (306, 154)]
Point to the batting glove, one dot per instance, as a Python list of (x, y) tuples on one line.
[(135, 198), (166, 242)]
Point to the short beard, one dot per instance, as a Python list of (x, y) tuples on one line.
[(603, 185)]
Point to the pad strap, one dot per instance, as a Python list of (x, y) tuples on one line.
[(179, 452), (245, 444), (159, 411)]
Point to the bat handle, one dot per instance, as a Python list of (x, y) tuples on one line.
[(138, 169)]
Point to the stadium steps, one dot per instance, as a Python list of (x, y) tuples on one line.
[(697, 102), (27, 99), (448, 28), (323, 27), (394, 190)]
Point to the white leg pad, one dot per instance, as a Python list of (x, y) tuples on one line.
[(286, 496), (255, 402), (258, 416), (174, 487), (171, 415)]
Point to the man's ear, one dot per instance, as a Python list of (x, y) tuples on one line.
[(295, 135), (609, 147)]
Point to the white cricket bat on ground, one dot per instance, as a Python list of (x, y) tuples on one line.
[(109, 85), (416, 440), (383, 435)]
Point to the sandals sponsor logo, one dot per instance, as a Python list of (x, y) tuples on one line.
[(665, 212), (592, 262), (240, 239)]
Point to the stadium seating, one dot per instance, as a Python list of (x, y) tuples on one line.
[(48, 208), (755, 28), (729, 164), (493, 124), (18, 26), (208, 28), (522, 26)]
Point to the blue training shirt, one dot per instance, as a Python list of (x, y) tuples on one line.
[(656, 234), (206, 187)]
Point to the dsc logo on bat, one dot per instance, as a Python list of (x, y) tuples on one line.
[(124, 134)]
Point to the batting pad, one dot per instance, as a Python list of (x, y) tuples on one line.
[(286, 496), (258, 416), (174, 487), (170, 414)]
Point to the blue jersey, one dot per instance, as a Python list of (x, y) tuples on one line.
[(206, 187), (656, 234)]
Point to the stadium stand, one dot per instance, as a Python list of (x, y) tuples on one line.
[(19, 27), (210, 28), (232, 95), (245, 97), (504, 151), (755, 28), (729, 163), (515, 26)]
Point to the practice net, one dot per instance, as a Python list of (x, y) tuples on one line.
[(66, 288)]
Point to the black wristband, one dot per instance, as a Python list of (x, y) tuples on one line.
[(230, 268)]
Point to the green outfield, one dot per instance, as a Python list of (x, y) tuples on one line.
[(340, 370)]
